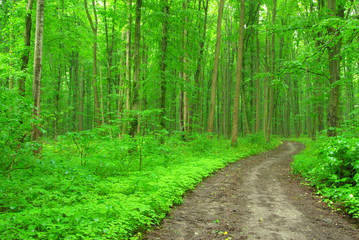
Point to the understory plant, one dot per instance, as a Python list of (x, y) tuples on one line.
[(332, 166), (95, 189)]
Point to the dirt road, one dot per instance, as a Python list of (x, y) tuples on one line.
[(255, 198)]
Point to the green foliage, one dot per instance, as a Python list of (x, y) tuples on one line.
[(332, 165), (106, 197), (15, 132)]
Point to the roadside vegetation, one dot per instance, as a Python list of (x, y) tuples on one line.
[(90, 186), (331, 164)]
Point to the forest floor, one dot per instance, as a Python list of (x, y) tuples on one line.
[(256, 198)]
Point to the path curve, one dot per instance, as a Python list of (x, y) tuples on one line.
[(255, 198)]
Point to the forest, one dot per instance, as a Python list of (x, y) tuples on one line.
[(111, 110)]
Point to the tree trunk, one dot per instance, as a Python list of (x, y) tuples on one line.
[(265, 90), (163, 62), (27, 41), (185, 74), (36, 89), (245, 114), (128, 68), (57, 101), (76, 89), (215, 70), (109, 49), (94, 27), (238, 76), (199, 71), (257, 82), (309, 117), (271, 102), (136, 69), (334, 70), (101, 94), (81, 103)]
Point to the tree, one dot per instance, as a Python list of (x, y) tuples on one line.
[(238, 77), (271, 101), (94, 28), (27, 42), (136, 68), (164, 42), (334, 70), (36, 89), (215, 69)]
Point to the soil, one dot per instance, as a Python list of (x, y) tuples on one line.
[(256, 198)]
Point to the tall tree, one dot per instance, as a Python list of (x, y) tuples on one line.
[(27, 41), (238, 76), (334, 70), (136, 68), (128, 66), (215, 69), (186, 79), (109, 50), (164, 41), (271, 97), (94, 28), (36, 88)]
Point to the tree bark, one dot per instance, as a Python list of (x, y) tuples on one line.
[(94, 27), (185, 74), (271, 102), (199, 71), (136, 69), (109, 50), (36, 89), (27, 42), (215, 70), (238, 76), (334, 70), (81, 103), (163, 62), (257, 82), (128, 68)]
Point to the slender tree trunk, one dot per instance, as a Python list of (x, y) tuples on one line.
[(27, 41), (136, 69), (81, 103), (163, 62), (185, 74), (289, 107), (200, 69), (245, 114), (238, 76), (128, 68), (257, 82), (109, 49), (36, 89), (215, 70), (265, 95), (297, 120), (101, 95), (76, 89), (309, 117), (57, 101), (94, 27), (271, 103), (334, 70)]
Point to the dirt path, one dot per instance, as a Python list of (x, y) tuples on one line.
[(259, 199)]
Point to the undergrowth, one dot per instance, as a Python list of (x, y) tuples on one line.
[(332, 166), (90, 186)]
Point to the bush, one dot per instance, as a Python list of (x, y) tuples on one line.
[(15, 132), (332, 165)]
